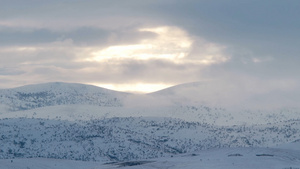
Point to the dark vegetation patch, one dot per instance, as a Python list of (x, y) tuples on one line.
[(133, 163), (235, 155), (269, 155)]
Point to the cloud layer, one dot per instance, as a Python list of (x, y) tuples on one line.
[(151, 43)]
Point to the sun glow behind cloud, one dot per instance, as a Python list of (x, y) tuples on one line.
[(169, 43), (134, 88)]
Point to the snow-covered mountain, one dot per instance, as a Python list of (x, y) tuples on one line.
[(51, 94), (88, 123)]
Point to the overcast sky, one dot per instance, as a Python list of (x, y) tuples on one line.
[(146, 45)]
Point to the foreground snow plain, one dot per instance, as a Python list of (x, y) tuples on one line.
[(228, 158)]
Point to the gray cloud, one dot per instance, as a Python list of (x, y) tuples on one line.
[(82, 36), (44, 41), (10, 71)]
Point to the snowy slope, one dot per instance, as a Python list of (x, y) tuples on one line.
[(123, 139), (196, 113)]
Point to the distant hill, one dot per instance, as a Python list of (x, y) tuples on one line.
[(233, 95), (51, 94), (208, 102)]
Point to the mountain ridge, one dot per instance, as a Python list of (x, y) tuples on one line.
[(57, 93)]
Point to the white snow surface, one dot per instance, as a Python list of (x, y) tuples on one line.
[(233, 158), (295, 145)]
